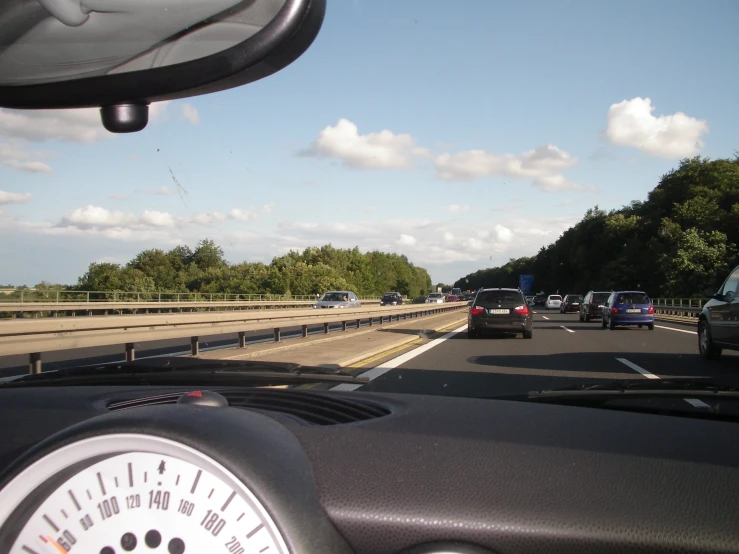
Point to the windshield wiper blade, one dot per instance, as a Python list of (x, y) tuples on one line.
[(717, 387), (174, 370)]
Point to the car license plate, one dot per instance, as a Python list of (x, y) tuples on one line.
[(633, 311), (498, 312)]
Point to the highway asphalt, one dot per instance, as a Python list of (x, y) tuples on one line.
[(562, 352)]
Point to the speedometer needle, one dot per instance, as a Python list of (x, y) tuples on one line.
[(56, 544)]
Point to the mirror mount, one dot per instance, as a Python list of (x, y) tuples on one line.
[(125, 118)]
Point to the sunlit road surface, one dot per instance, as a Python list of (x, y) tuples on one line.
[(563, 352)]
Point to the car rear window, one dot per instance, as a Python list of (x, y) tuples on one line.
[(555, 297), (572, 298), (632, 298), (600, 298), (500, 297)]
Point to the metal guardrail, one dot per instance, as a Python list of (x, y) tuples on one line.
[(35, 336), (91, 296), (679, 302), (104, 307)]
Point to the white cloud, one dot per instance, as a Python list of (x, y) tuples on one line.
[(156, 219), (554, 183), (503, 234), (449, 249), (20, 127), (456, 208), (82, 125), (116, 196), (267, 208), (249, 214), (16, 154), (14, 197), (95, 217), (541, 164), (631, 123), (407, 240), (383, 150), (190, 113)]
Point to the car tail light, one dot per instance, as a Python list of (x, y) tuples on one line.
[(521, 310), (614, 310), (477, 310), (650, 311)]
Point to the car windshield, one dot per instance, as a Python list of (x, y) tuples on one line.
[(333, 297), (498, 297), (207, 233), (632, 298)]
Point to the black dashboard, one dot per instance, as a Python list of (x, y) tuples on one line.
[(389, 473)]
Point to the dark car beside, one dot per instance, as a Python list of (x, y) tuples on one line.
[(718, 323), (391, 299), (499, 310), (628, 307), (592, 305), (571, 303), (540, 299)]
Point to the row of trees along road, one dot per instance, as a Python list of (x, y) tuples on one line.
[(680, 242), (205, 270)]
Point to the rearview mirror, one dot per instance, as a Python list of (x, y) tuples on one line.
[(121, 55)]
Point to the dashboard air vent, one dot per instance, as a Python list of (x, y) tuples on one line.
[(311, 407)]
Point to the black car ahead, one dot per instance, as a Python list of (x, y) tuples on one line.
[(391, 299), (592, 305), (718, 323), (499, 310), (540, 299), (571, 303)]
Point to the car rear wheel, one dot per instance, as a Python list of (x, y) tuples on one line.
[(472, 333), (650, 326), (528, 334), (640, 326), (587, 318), (611, 325), (706, 348)]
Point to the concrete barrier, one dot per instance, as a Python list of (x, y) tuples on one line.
[(35, 336)]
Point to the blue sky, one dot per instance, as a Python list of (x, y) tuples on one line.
[(458, 134)]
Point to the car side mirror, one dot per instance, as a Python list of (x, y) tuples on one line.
[(718, 296)]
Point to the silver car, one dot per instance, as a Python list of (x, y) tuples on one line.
[(435, 298), (338, 299)]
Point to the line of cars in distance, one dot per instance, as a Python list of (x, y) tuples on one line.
[(508, 310), (613, 308), (349, 299)]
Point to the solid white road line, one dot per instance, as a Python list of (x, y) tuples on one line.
[(375, 372), (678, 330), (638, 369), (566, 329)]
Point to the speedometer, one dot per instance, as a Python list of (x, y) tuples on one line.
[(121, 493)]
